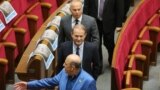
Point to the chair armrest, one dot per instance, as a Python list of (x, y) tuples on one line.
[(3, 61)]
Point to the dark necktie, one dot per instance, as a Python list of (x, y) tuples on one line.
[(76, 21), (77, 51)]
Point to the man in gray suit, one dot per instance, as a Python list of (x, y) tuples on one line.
[(68, 22)]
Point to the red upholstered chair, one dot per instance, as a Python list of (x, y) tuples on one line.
[(25, 4), (151, 32), (155, 21), (35, 9), (59, 2), (136, 62), (23, 32), (53, 4), (143, 47), (118, 66), (133, 78), (3, 67), (9, 41)]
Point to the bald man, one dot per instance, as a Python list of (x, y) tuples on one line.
[(69, 21), (72, 77)]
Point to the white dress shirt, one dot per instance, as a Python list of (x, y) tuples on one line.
[(80, 50)]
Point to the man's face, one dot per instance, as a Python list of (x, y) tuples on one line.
[(68, 67), (76, 9), (78, 36)]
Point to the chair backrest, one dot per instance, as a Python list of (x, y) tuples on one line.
[(22, 32), (9, 41), (3, 65), (35, 9), (54, 5), (130, 31), (133, 78)]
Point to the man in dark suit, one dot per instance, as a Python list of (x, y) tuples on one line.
[(68, 22), (87, 51), (111, 18)]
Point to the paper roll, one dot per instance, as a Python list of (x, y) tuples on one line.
[(43, 50), (50, 34)]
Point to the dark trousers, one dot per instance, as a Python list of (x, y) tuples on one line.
[(100, 28), (108, 40)]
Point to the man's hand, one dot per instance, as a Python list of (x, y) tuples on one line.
[(20, 86)]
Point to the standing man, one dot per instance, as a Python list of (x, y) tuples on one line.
[(109, 15), (87, 51), (68, 22), (72, 77)]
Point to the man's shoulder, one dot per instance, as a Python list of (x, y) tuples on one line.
[(88, 17), (90, 44), (66, 17), (66, 44), (87, 77)]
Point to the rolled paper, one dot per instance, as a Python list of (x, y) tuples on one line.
[(50, 34)]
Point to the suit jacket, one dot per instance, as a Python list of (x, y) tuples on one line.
[(83, 82), (90, 62), (113, 13), (87, 21)]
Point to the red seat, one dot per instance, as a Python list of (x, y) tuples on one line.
[(151, 33), (25, 4), (36, 10), (3, 67), (48, 7), (9, 41), (143, 47), (23, 32), (53, 3), (133, 78)]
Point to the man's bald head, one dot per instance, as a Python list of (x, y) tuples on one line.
[(74, 60), (76, 8)]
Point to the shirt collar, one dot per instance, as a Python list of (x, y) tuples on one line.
[(81, 46), (73, 19)]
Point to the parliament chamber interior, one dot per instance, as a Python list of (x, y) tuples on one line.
[(29, 35)]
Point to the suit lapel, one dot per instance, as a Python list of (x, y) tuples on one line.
[(78, 84), (69, 25), (83, 20), (84, 52), (70, 47)]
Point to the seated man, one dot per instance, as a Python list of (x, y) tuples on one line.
[(72, 77), (87, 51)]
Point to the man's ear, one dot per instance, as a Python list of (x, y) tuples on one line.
[(72, 68)]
